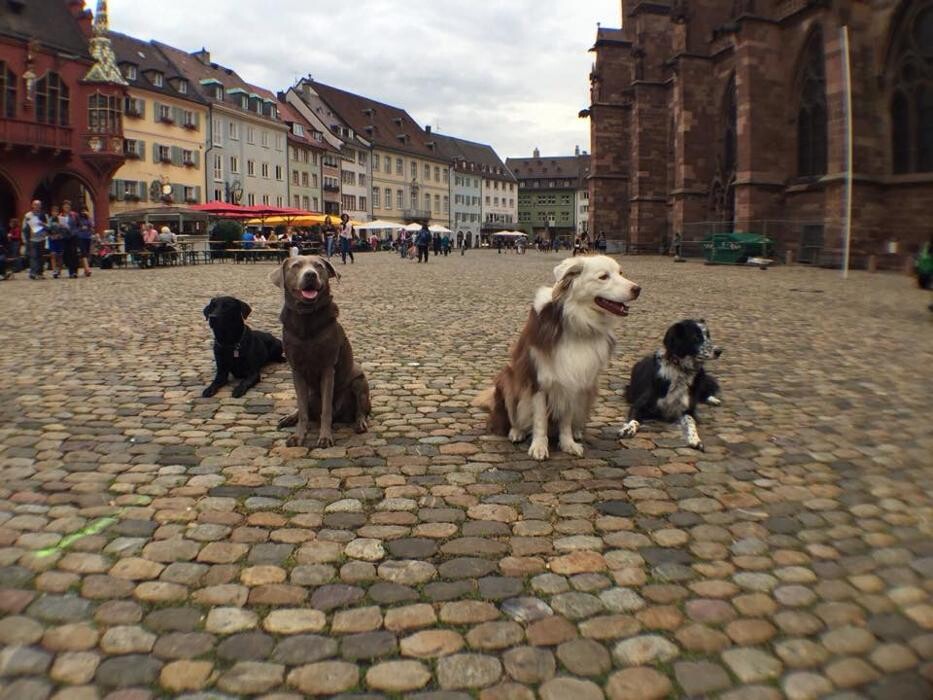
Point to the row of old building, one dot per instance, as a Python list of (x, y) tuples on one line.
[(126, 124)]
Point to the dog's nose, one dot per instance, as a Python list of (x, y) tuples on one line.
[(717, 352), (636, 290)]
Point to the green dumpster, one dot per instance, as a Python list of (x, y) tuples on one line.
[(736, 248)]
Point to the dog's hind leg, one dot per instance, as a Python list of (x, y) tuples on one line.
[(288, 421), (691, 436), (360, 389), (539, 446), (245, 385)]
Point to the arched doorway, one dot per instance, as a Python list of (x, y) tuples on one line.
[(10, 207), (57, 187)]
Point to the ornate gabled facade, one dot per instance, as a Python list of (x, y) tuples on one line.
[(730, 115), (61, 126)]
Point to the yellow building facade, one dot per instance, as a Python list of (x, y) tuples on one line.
[(410, 188), (164, 129)]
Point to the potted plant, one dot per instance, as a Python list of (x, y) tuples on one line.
[(225, 234)]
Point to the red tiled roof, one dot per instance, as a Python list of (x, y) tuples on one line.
[(383, 125)]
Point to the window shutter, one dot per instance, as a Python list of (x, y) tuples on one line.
[(155, 153), (197, 193), (176, 155), (121, 190), (141, 190), (178, 115), (196, 158), (178, 193), (197, 120), (113, 188), (156, 108), (141, 149)]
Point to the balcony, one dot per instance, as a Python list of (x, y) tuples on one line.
[(16, 132), (331, 188), (416, 214)]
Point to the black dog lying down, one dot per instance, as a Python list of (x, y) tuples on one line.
[(238, 349), (670, 383)]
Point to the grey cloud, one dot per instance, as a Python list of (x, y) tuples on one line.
[(512, 73)]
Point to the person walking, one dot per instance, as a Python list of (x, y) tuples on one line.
[(328, 237), (36, 231), (68, 225), (55, 242), (445, 244), (423, 241), (85, 234), (436, 241), (402, 243), (14, 237), (346, 235)]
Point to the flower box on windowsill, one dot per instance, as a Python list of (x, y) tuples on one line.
[(189, 163), (166, 120), (131, 197), (191, 200), (165, 159), (132, 112), (132, 155), (190, 126)]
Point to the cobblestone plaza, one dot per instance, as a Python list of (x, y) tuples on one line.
[(157, 544)]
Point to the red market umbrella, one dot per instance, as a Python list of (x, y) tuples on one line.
[(225, 210)]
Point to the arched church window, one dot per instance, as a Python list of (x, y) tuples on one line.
[(910, 73), (811, 111)]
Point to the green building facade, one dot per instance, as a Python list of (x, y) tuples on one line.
[(547, 194)]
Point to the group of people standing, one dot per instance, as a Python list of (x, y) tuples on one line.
[(62, 233), (421, 242)]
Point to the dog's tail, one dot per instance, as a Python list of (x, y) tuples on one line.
[(485, 399)]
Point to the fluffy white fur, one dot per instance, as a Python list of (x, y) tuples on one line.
[(568, 373)]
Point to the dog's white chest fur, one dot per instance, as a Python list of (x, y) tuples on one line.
[(677, 399), (574, 365)]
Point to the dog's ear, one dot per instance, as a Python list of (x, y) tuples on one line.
[(245, 309), (677, 340), (210, 307), (331, 270), (277, 276), (566, 273)]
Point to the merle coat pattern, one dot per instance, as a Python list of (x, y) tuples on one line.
[(669, 384), (238, 349)]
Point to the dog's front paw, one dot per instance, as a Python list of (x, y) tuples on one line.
[(239, 390), (209, 391), (714, 401), (288, 421), (362, 425), (516, 435), (697, 446), (572, 447), (578, 434), (538, 450), (629, 430), (325, 440)]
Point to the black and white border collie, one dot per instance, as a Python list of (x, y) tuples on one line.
[(551, 380), (670, 383)]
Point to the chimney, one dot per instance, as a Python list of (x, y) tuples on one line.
[(204, 56), (576, 151), (536, 153), (427, 129)]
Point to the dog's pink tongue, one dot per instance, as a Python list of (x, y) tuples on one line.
[(309, 293)]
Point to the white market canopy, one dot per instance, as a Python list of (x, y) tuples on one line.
[(412, 227), (379, 224), (511, 234), (437, 228)]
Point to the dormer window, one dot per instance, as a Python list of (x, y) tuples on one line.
[(398, 121), (158, 79), (183, 87), (298, 130), (219, 92), (369, 111), (129, 71)]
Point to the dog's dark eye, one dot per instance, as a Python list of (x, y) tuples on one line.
[(604, 276)]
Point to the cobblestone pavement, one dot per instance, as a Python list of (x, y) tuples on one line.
[(157, 544)]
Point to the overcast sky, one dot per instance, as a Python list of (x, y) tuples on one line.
[(511, 73)]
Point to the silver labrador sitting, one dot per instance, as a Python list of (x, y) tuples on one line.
[(328, 383)]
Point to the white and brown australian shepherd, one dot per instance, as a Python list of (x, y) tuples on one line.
[(550, 383)]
